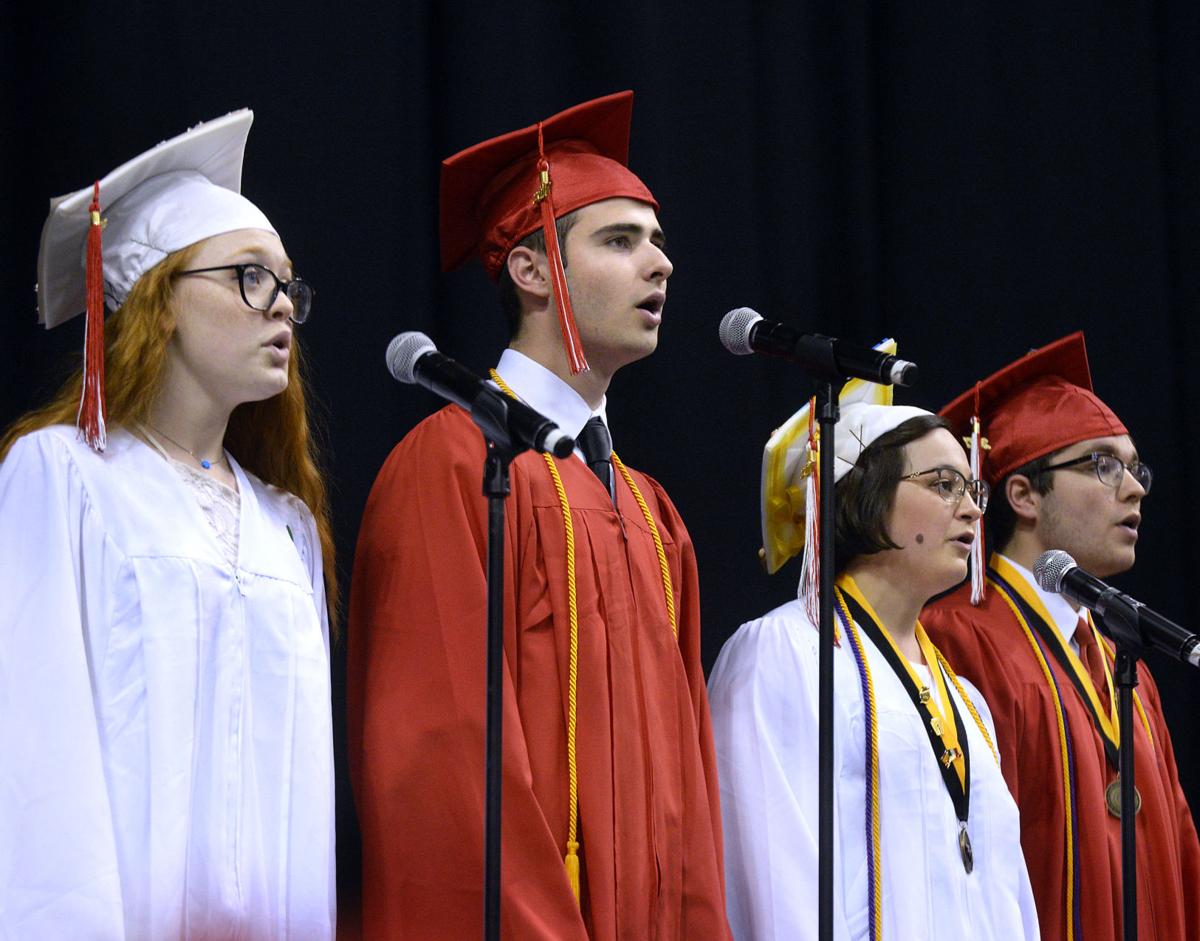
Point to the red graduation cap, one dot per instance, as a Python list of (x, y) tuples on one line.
[(496, 193), (1032, 407)]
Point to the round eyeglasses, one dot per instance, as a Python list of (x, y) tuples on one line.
[(951, 485), (1110, 469), (261, 286)]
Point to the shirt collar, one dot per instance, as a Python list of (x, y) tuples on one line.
[(1065, 616), (542, 390)]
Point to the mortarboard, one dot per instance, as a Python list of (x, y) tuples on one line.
[(790, 471), (496, 193), (1032, 407), (178, 193)]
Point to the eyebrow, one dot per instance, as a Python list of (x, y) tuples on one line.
[(263, 253), (631, 228)]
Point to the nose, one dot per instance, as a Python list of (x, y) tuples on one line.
[(968, 509), (660, 266), (282, 307), (1130, 487)]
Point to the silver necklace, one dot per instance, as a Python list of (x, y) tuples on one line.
[(206, 464)]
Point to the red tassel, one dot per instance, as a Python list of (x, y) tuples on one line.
[(90, 419), (558, 275)]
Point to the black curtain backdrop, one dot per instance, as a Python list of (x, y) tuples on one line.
[(974, 179)]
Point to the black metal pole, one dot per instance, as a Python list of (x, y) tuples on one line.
[(496, 489), (1126, 681), (827, 416)]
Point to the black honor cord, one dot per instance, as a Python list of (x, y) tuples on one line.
[(959, 791)]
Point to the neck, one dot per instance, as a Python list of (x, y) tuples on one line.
[(897, 609), (192, 420), (1023, 549), (591, 385)]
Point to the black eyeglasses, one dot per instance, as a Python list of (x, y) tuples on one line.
[(951, 485), (261, 286), (1110, 469)]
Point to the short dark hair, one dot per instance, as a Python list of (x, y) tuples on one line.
[(1001, 521), (510, 302), (865, 495)]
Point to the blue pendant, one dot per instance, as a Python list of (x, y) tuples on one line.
[(206, 464)]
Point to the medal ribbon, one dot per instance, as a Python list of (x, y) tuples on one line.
[(952, 754)]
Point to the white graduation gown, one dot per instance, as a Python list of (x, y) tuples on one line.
[(166, 758), (763, 696)]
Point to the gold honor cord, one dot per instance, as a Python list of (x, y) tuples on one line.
[(571, 858), (942, 723)]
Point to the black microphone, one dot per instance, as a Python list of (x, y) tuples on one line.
[(743, 331), (1057, 571), (412, 358)]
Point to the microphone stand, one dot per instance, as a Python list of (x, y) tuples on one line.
[(827, 416), (1119, 621), (500, 453), (830, 379)]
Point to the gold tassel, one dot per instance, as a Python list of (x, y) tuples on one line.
[(572, 863)]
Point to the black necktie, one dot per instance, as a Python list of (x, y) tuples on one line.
[(596, 445)]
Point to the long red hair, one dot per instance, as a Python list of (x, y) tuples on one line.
[(273, 438)]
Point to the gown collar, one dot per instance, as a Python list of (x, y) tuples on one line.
[(1064, 616), (541, 389)]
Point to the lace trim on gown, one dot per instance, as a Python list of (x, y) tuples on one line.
[(220, 505)]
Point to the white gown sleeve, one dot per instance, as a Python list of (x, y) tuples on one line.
[(763, 697), (58, 864)]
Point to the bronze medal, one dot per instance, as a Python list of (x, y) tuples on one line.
[(1112, 799), (965, 850)]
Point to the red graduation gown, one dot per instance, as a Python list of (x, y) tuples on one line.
[(986, 645), (649, 815)]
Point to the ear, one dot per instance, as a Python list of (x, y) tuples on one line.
[(529, 271), (1025, 501)]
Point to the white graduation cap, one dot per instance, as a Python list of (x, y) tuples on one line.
[(101, 239), (790, 464)]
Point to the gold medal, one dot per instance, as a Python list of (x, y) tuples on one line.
[(964, 848), (1112, 799)]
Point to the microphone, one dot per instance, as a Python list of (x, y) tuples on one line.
[(412, 358), (1057, 571), (744, 331)]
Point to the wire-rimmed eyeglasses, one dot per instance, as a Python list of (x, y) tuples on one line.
[(261, 286), (1110, 469), (951, 485)]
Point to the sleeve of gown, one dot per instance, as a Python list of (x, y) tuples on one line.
[(58, 863), (763, 694), (416, 707)]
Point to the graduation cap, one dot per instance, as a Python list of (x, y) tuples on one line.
[(98, 241), (496, 193), (1034, 406), (791, 465)]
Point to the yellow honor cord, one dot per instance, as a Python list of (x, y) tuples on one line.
[(1110, 727), (571, 858)]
